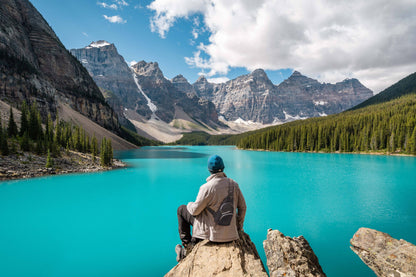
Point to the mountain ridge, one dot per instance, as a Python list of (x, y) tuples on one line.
[(253, 97), (157, 107)]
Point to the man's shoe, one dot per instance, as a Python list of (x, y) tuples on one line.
[(180, 253)]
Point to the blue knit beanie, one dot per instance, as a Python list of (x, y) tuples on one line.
[(215, 164)]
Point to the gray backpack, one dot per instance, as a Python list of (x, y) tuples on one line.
[(225, 213)]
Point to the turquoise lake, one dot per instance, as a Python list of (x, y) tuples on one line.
[(123, 222)]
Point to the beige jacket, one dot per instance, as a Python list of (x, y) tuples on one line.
[(211, 194)]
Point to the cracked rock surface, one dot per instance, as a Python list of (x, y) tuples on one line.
[(386, 256)]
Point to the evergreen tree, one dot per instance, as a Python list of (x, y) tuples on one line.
[(94, 148), (106, 154), (103, 154), (24, 142), (12, 128), (49, 161), (109, 152), (1, 136), (24, 123), (4, 147), (35, 126), (413, 142), (58, 132)]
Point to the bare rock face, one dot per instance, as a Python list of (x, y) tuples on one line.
[(112, 74), (254, 97), (169, 96), (110, 71), (386, 256), (181, 84), (237, 258), (290, 257), (36, 67)]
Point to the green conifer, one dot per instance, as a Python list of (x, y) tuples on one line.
[(413, 142), (103, 154), (12, 128), (4, 147), (49, 161), (24, 124), (94, 148), (24, 142)]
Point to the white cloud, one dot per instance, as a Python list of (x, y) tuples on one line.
[(115, 6), (115, 19), (218, 80), (370, 40), (85, 34), (133, 62), (121, 2), (108, 6), (168, 10)]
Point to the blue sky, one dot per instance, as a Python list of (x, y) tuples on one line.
[(371, 40), (78, 22)]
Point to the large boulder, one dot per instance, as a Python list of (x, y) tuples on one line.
[(237, 258), (386, 256), (290, 257)]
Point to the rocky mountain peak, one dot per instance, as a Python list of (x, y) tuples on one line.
[(296, 74), (179, 79), (201, 79), (297, 79), (259, 73), (148, 69), (111, 72), (182, 84)]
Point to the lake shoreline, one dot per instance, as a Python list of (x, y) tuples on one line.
[(337, 152), (28, 165)]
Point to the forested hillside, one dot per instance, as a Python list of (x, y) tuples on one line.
[(389, 126), (404, 86)]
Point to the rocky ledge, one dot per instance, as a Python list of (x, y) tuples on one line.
[(237, 258), (293, 257), (290, 257), (28, 165), (386, 256), (286, 256)]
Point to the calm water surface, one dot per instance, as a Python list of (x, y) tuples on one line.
[(123, 223)]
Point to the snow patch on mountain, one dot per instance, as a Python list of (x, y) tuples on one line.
[(98, 44), (289, 117), (242, 121), (150, 104), (320, 103)]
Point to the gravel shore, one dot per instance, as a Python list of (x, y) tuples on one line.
[(28, 165)]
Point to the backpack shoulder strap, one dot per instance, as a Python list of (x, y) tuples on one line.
[(230, 188), (230, 194)]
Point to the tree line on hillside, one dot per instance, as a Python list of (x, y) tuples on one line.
[(389, 126), (52, 139)]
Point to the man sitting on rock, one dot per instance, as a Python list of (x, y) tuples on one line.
[(213, 215)]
